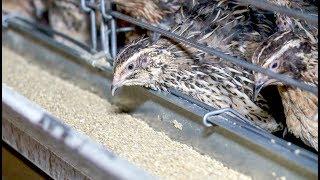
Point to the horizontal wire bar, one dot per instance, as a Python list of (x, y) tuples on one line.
[(263, 4), (286, 79)]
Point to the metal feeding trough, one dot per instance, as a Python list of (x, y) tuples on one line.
[(26, 126)]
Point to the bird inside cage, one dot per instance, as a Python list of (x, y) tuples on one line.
[(164, 64), (297, 57), (293, 51)]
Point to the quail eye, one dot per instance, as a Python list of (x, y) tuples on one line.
[(130, 67), (274, 65)]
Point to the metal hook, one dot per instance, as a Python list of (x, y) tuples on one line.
[(103, 10), (207, 123)]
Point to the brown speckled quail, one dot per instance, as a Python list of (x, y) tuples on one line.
[(293, 51), (293, 55), (164, 64)]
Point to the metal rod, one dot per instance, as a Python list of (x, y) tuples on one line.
[(93, 30), (286, 79), (105, 40), (103, 10), (93, 27), (263, 4), (84, 7), (113, 38), (226, 110)]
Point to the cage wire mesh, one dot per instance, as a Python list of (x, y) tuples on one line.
[(109, 31)]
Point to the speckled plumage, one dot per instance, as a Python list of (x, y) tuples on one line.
[(67, 17), (204, 17), (242, 28), (285, 23), (166, 64), (30, 9), (297, 57), (152, 11)]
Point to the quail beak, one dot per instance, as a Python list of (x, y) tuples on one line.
[(115, 86), (261, 83), (113, 90), (256, 91)]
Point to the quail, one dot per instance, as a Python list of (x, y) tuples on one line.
[(165, 64), (293, 55)]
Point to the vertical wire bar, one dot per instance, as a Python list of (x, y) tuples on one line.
[(105, 39), (113, 38), (93, 28)]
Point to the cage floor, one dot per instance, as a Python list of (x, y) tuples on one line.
[(128, 137)]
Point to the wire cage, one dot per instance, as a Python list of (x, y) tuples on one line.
[(109, 34), (109, 16), (108, 40)]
